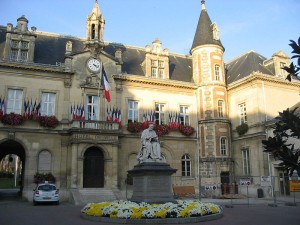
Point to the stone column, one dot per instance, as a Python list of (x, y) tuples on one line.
[(74, 166)]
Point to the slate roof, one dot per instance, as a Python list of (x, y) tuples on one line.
[(50, 48), (244, 65), (204, 32)]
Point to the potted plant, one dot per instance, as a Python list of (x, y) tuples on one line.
[(12, 119), (48, 121), (242, 129), (186, 130)]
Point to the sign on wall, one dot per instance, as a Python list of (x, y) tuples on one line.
[(245, 181)]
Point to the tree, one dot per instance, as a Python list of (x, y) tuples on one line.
[(294, 70), (282, 145)]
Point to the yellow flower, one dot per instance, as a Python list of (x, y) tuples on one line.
[(137, 213), (161, 214), (95, 209), (114, 214), (185, 213)]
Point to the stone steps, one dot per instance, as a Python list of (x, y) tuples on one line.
[(89, 195)]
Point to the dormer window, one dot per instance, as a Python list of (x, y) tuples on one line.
[(282, 71), (19, 51), (215, 31), (20, 42), (156, 62), (157, 69)]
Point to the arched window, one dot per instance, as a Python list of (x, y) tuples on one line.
[(186, 165), (44, 161), (217, 72)]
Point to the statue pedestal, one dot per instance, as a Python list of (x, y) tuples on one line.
[(152, 182)]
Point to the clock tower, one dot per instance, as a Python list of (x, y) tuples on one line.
[(94, 30)]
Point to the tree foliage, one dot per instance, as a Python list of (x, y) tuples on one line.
[(294, 70), (282, 145)]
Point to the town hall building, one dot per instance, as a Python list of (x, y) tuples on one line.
[(75, 108)]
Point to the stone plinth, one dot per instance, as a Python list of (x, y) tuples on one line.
[(152, 182)]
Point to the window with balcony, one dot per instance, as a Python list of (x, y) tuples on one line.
[(184, 115), (133, 111), (186, 167), (160, 113), (14, 101), (92, 107), (48, 104)]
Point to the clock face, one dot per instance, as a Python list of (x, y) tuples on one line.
[(94, 65)]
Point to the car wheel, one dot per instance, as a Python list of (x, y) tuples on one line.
[(57, 203), (34, 202)]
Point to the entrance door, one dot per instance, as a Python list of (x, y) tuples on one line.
[(225, 179), (93, 168)]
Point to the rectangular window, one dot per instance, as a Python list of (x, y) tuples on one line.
[(48, 104), (282, 71), (15, 44), (184, 115), (24, 44), (242, 113), (220, 108), (159, 113), (223, 145), (24, 56), (160, 73), (19, 50), (133, 111), (161, 64), (217, 72), (14, 101), (154, 63), (186, 166), (13, 54), (92, 107), (246, 161), (154, 72)]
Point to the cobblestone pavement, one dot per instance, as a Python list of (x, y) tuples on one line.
[(14, 211)]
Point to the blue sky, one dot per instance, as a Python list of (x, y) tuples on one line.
[(264, 26)]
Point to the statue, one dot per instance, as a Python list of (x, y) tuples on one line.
[(150, 150)]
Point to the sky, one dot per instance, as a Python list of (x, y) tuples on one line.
[(264, 26)]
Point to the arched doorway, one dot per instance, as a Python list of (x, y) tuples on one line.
[(15, 154), (93, 168)]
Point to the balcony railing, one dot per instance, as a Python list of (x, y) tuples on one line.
[(95, 124)]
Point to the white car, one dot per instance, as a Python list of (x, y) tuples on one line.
[(46, 192)]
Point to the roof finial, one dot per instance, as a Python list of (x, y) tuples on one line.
[(203, 4)]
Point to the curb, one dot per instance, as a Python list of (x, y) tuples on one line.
[(155, 221)]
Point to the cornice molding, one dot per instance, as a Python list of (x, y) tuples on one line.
[(155, 81), (34, 67), (262, 77)]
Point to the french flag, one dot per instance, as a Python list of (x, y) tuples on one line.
[(105, 84)]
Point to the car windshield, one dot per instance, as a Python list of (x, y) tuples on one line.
[(47, 188)]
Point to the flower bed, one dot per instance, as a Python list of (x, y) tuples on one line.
[(136, 211)]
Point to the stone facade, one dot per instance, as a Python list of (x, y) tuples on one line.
[(88, 150)]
